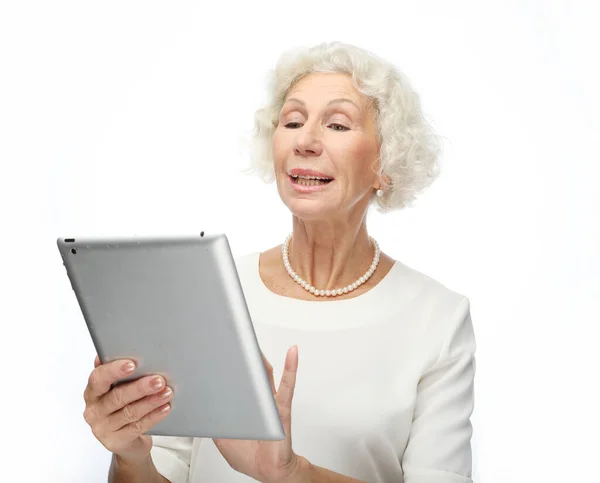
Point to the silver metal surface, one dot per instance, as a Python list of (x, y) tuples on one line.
[(175, 305)]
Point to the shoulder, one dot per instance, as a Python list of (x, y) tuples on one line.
[(425, 289), (444, 314), (246, 260), (247, 267)]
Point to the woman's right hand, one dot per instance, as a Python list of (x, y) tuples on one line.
[(120, 416)]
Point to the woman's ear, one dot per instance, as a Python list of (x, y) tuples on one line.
[(382, 182)]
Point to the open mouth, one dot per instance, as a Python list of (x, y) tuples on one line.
[(310, 180)]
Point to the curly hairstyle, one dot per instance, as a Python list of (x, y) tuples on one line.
[(409, 147)]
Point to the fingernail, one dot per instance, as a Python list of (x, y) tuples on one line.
[(128, 367), (167, 392), (156, 383)]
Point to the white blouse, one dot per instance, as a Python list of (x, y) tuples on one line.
[(384, 389)]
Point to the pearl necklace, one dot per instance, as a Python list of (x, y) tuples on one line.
[(328, 293)]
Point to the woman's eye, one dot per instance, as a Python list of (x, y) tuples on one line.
[(335, 126)]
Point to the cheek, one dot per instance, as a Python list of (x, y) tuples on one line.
[(278, 148), (362, 157)]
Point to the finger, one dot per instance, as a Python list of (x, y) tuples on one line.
[(124, 394), (285, 394), (103, 376), (139, 427), (96, 361), (269, 368), (137, 410)]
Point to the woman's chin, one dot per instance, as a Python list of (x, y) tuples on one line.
[(309, 209)]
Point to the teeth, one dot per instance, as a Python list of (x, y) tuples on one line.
[(310, 182), (311, 177)]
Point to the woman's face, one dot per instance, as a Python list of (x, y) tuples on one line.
[(326, 129)]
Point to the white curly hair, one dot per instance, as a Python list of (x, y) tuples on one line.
[(409, 147)]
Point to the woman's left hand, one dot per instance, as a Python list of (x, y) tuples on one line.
[(268, 461)]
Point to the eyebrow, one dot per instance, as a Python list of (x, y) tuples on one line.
[(333, 101)]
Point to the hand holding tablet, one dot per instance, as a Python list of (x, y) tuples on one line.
[(119, 416)]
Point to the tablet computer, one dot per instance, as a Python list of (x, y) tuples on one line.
[(175, 306)]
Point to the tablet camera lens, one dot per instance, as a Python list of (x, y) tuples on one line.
[(73, 251)]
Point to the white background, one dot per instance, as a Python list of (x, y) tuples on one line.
[(131, 118)]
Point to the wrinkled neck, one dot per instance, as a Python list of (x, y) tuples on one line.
[(330, 256)]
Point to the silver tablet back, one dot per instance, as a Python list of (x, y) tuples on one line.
[(175, 305)]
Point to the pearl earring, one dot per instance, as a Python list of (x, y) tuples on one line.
[(379, 193)]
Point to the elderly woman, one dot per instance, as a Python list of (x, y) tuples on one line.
[(384, 392)]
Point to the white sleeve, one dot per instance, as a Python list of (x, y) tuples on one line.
[(172, 457), (439, 445)]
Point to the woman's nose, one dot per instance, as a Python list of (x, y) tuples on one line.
[(308, 142)]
